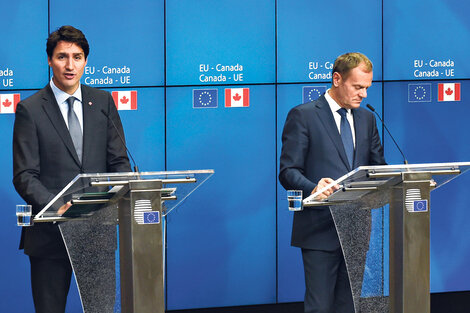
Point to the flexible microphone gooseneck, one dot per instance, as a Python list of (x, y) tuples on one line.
[(136, 169), (373, 110)]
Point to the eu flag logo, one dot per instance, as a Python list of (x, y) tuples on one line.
[(152, 217), (420, 206), (312, 93), (419, 92), (205, 98)]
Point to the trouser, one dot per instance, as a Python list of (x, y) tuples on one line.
[(50, 283), (327, 282)]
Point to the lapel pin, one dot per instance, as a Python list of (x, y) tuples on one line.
[(89, 103)]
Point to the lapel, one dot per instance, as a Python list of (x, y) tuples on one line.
[(52, 110), (328, 121), (360, 128), (89, 107)]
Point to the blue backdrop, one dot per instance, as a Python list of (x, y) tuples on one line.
[(229, 243)]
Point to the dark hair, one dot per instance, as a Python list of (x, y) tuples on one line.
[(346, 62), (69, 34)]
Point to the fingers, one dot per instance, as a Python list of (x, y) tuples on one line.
[(324, 182), (64, 208), (329, 181)]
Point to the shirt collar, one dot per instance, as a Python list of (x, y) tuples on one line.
[(61, 96), (334, 106)]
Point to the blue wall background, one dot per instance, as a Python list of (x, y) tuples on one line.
[(229, 243)]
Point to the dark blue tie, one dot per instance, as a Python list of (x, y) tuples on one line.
[(346, 136)]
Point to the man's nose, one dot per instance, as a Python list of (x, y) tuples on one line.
[(69, 63), (363, 93)]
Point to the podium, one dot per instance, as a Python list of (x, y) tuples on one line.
[(125, 275), (406, 188)]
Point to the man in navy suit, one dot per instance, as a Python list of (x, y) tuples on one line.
[(322, 140), (60, 132)]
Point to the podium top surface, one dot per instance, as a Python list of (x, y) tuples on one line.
[(368, 179), (89, 192)]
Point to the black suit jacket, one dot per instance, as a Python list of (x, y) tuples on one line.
[(45, 160), (311, 150)]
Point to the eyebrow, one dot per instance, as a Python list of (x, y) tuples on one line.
[(73, 54), (362, 86)]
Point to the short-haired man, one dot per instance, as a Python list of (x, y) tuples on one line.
[(322, 140), (60, 132)]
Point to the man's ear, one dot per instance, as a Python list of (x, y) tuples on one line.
[(336, 79)]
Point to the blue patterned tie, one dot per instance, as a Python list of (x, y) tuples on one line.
[(346, 136), (74, 128)]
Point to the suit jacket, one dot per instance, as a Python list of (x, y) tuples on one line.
[(45, 160), (312, 149)]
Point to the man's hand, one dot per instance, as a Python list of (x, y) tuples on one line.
[(64, 208), (323, 183)]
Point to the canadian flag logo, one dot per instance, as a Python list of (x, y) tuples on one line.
[(125, 100), (449, 92), (237, 97), (8, 102)]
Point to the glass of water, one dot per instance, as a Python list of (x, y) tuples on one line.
[(294, 197), (23, 215)]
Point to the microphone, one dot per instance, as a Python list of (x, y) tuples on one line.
[(136, 169), (373, 110)]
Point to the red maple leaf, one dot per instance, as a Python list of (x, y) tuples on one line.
[(449, 91), (124, 100), (6, 103), (237, 97)]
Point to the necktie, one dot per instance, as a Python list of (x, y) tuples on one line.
[(74, 128), (346, 136)]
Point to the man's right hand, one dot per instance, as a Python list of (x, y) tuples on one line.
[(322, 184), (64, 208)]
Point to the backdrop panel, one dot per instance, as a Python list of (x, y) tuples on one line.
[(23, 61), (126, 40), (221, 241), (426, 40), (220, 42), (144, 127), (311, 34)]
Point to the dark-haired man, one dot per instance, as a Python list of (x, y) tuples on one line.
[(321, 141), (60, 132)]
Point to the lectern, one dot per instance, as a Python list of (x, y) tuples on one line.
[(407, 189), (114, 235)]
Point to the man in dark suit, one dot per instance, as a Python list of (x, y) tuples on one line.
[(321, 141), (60, 132)]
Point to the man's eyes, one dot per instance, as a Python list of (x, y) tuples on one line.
[(77, 57)]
